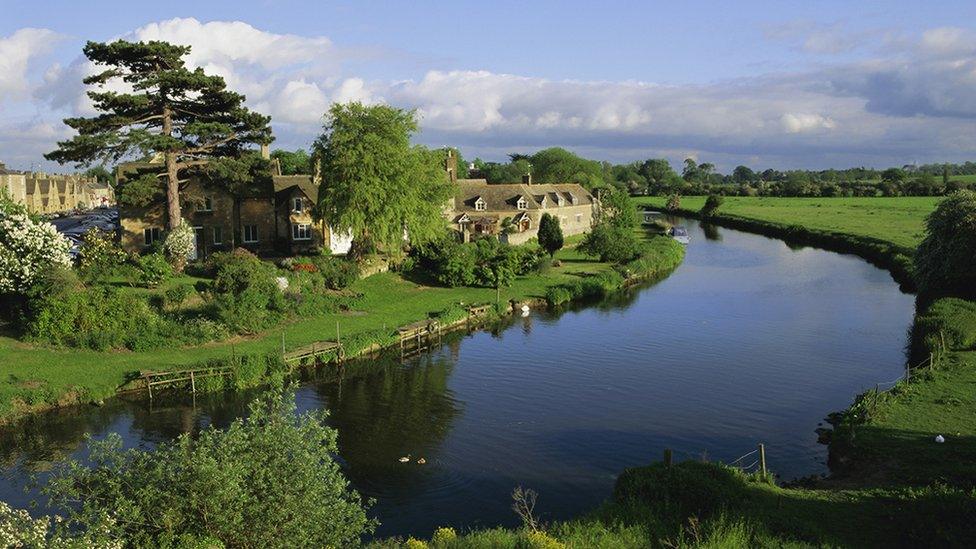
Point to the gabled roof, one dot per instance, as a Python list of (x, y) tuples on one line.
[(304, 183), (505, 197)]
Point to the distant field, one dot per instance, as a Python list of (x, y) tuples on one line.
[(899, 220)]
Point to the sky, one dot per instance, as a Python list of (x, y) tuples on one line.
[(778, 84)]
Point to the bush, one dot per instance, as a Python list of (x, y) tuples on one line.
[(177, 295), (610, 243), (154, 270), (945, 261), (557, 295), (712, 204), (269, 480), (179, 244), (674, 203), (245, 292), (686, 489), (336, 272), (27, 247), (94, 318), (550, 234), (100, 255)]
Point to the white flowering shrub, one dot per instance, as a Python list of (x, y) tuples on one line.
[(27, 248), (179, 244), (19, 529)]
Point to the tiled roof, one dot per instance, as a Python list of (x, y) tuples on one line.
[(502, 197), (303, 182)]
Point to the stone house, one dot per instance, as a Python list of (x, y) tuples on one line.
[(44, 193), (268, 219), (512, 211)]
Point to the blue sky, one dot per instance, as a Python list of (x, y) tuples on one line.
[(767, 84)]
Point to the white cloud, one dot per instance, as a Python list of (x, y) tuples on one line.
[(16, 53), (916, 100), (804, 122)]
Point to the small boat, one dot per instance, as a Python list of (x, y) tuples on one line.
[(680, 234)]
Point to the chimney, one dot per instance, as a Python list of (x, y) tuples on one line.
[(450, 165), (527, 179), (266, 151)]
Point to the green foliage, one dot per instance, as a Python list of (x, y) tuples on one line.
[(268, 480), (686, 489), (945, 262), (948, 321), (177, 295), (610, 243), (168, 108), (557, 165), (100, 255), (550, 234), (245, 291), (712, 204), (297, 162), (374, 183), (617, 208), (674, 203), (154, 270)]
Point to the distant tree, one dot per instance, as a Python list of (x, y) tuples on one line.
[(658, 174), (297, 162), (712, 204), (556, 165), (515, 157), (550, 234), (101, 174), (893, 175), (945, 261), (945, 175), (690, 171), (185, 115), (743, 175), (374, 183), (705, 170)]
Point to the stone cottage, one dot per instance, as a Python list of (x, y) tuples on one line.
[(512, 211), (268, 219)]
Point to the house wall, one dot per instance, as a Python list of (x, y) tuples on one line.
[(288, 217), (572, 220)]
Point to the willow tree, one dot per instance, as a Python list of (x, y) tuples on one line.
[(374, 183), (165, 108)]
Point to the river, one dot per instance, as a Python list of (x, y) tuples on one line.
[(748, 341)]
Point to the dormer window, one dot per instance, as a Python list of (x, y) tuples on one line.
[(572, 198), (522, 204), (560, 200), (298, 205), (480, 205)]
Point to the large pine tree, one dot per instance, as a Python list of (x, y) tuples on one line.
[(187, 116)]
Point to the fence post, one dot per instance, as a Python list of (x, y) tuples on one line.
[(762, 459), (667, 457), (282, 345), (337, 332), (193, 383)]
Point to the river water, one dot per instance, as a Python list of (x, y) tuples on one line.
[(748, 341)]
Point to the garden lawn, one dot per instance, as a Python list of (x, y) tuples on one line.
[(34, 376), (899, 220)]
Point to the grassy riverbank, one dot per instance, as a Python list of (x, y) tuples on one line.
[(38, 377), (892, 483)]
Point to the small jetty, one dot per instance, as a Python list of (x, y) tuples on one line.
[(310, 354), (182, 377), (419, 336)]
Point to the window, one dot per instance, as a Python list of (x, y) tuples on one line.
[(298, 205), (250, 234), (579, 218), (480, 205), (207, 205), (151, 236), (218, 235), (301, 231), (522, 204), (572, 198)]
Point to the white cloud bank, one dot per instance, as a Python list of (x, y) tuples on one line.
[(916, 101)]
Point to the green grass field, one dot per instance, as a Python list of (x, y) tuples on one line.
[(898, 220)]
